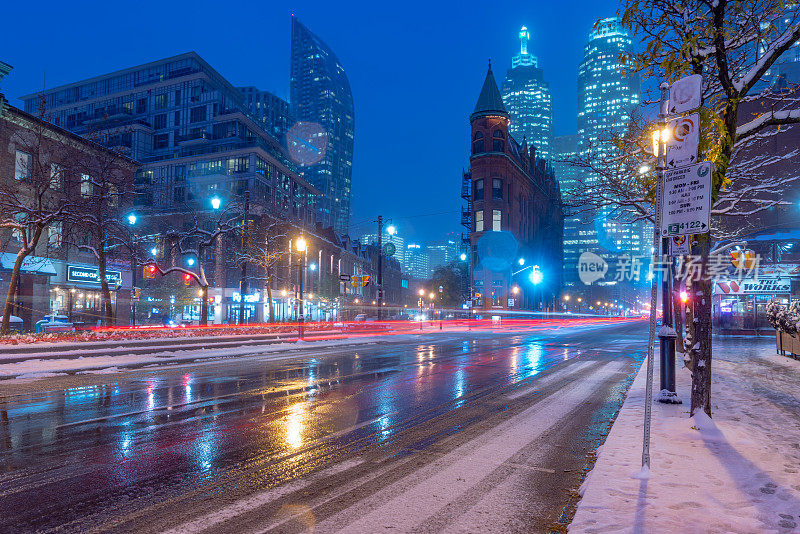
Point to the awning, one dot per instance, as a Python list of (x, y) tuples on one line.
[(31, 264)]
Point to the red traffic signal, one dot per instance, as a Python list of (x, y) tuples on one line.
[(187, 279), (150, 271)]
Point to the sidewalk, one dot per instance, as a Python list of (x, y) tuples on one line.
[(738, 472)]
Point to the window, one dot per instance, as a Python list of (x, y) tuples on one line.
[(160, 121), (479, 221), (197, 114), (179, 195), (497, 217), (56, 176), (478, 190), (141, 105), (160, 141), (477, 143), (178, 97), (497, 189), (160, 101), (86, 185), (177, 120), (22, 165), (54, 234), (497, 144), (113, 196)]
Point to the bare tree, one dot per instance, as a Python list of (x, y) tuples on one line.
[(732, 44), (33, 200), (266, 248), (200, 234), (105, 190)]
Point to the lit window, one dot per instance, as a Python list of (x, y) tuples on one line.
[(497, 217), (479, 221), (22, 165), (86, 185)]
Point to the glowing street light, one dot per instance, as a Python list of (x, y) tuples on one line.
[(432, 296), (391, 230), (132, 219), (154, 251), (216, 202), (463, 257), (566, 298), (190, 262), (301, 244), (522, 261), (421, 292), (536, 276), (515, 289)]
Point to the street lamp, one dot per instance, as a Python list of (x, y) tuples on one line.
[(391, 230), (463, 257), (521, 261), (190, 262), (301, 246), (132, 219), (216, 202)]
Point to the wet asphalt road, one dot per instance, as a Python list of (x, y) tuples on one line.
[(481, 431)]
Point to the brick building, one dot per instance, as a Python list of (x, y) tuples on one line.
[(514, 214), (40, 161)]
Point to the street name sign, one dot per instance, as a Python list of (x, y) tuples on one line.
[(344, 277), (684, 94), (683, 141), (686, 205)]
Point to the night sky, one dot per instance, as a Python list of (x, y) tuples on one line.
[(415, 72)]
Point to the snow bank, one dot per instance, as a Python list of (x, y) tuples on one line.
[(737, 472)]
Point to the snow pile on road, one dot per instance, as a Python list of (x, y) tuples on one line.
[(116, 359), (737, 472)]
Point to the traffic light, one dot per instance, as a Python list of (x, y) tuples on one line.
[(137, 293), (743, 259), (187, 279), (365, 280), (149, 271), (684, 296)]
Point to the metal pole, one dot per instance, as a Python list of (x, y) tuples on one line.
[(245, 240), (379, 298), (648, 402), (133, 283), (302, 317)]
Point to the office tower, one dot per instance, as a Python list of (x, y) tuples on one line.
[(271, 110), (320, 94), (527, 99)]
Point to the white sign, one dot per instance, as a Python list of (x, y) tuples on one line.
[(237, 297), (750, 286), (683, 141), (510, 303), (591, 268), (684, 95), (679, 246), (687, 200)]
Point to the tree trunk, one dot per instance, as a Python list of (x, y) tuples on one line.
[(108, 311), (204, 305), (677, 315), (701, 341), (269, 294), (12, 289)]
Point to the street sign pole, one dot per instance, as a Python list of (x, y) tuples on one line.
[(648, 398)]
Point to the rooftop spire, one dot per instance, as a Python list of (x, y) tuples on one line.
[(490, 102), (524, 58)]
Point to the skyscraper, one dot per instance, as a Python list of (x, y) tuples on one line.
[(271, 110), (320, 93), (527, 99), (608, 93)]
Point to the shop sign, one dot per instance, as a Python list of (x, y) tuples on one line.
[(751, 285), (79, 273), (250, 299)]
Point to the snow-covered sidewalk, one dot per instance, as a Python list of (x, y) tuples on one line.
[(737, 472)]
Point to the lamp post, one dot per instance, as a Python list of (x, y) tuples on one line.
[(441, 306), (132, 219), (301, 247), (421, 297)]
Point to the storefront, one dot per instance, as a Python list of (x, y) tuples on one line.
[(740, 306), (76, 293)]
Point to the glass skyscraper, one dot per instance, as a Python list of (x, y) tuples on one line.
[(608, 93), (319, 92), (527, 99)]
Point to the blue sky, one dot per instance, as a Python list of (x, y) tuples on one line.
[(415, 72)]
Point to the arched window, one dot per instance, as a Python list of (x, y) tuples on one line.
[(477, 143), (497, 144)]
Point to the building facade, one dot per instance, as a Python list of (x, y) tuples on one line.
[(59, 278), (417, 261), (516, 214), (608, 95), (320, 94), (272, 111), (527, 98)]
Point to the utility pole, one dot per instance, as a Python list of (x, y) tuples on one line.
[(245, 247), (380, 267)]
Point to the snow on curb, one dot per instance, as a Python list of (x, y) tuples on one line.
[(737, 472)]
